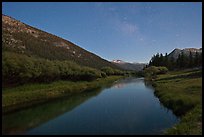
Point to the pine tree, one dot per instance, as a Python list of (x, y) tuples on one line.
[(196, 60), (166, 61), (156, 60), (172, 63), (161, 60), (190, 65)]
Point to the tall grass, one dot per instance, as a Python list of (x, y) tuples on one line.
[(27, 95), (182, 92)]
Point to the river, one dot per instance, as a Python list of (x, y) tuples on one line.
[(128, 106)]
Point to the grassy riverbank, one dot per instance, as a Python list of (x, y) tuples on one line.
[(182, 92), (21, 121), (31, 94)]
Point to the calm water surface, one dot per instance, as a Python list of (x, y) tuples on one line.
[(127, 107)]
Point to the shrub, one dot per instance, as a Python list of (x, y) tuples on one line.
[(153, 70), (110, 71), (18, 69), (162, 70)]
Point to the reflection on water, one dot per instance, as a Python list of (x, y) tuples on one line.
[(127, 106), (125, 82), (21, 121), (119, 85)]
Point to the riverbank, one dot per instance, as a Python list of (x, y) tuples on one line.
[(181, 91), (115, 106), (32, 94)]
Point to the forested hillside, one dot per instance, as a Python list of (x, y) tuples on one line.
[(178, 59)]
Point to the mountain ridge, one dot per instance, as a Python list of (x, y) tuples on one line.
[(186, 51), (25, 39), (129, 66)]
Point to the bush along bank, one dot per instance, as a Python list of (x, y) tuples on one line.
[(31, 94), (18, 69)]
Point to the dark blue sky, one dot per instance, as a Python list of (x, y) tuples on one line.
[(130, 31)]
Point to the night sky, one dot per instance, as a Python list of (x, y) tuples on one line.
[(130, 31)]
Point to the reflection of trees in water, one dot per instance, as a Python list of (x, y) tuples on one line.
[(148, 84), (124, 82), (21, 121)]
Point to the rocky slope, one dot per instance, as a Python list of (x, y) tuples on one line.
[(175, 53), (21, 38)]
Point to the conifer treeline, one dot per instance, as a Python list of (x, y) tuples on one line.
[(183, 61)]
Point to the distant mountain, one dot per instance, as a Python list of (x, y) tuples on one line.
[(118, 61), (21, 38), (175, 53), (129, 66)]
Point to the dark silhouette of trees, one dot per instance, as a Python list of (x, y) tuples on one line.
[(190, 60), (183, 61)]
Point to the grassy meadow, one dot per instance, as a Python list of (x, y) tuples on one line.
[(181, 91)]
